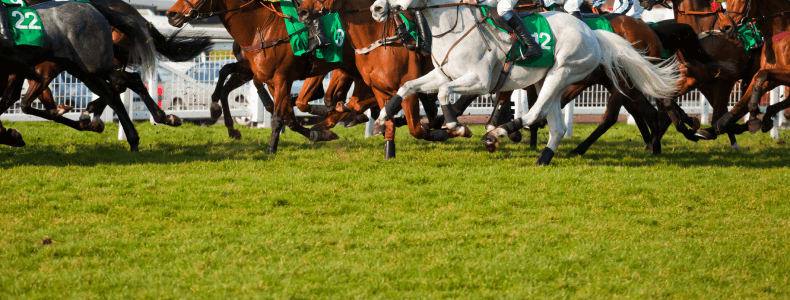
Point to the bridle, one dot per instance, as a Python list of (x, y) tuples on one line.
[(195, 14)]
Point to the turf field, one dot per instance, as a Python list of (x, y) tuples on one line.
[(195, 214)]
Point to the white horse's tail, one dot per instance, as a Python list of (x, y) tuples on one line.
[(621, 60)]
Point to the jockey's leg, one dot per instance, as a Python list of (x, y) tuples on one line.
[(6, 37), (505, 9), (317, 37), (573, 7)]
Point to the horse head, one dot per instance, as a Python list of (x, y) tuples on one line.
[(184, 11)]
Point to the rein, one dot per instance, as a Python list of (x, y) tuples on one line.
[(195, 14)]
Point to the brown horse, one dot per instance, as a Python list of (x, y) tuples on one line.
[(234, 75), (715, 29), (385, 67), (773, 20), (259, 27)]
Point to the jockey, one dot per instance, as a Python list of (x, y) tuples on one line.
[(573, 7), (570, 6), (505, 9), (629, 8)]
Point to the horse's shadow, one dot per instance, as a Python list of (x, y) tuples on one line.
[(629, 153)]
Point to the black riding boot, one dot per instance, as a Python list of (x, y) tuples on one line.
[(520, 30), (6, 37), (317, 37), (578, 15)]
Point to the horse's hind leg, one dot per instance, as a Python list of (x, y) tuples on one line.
[(609, 118), (226, 71), (113, 99), (236, 80), (134, 82), (34, 90)]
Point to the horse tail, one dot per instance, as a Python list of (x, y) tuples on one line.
[(621, 60), (177, 48), (142, 51)]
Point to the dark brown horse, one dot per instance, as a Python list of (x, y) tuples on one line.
[(773, 20), (173, 48), (260, 29), (715, 28)]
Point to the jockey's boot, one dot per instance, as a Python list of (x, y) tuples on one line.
[(317, 37), (6, 37), (520, 30), (578, 15), (424, 32)]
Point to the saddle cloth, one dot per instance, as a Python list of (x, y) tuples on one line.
[(541, 32), (331, 26)]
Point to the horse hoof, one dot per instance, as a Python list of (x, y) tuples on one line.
[(97, 126), (322, 136), (491, 142), (695, 124), (235, 134), (173, 120), (706, 134), (62, 109), (134, 148), (545, 157), (378, 127), (576, 152), (389, 149), (356, 120), (767, 125), (754, 125), (515, 136), (463, 131), (735, 147), (215, 111), (13, 138)]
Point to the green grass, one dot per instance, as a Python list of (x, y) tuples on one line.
[(195, 214)]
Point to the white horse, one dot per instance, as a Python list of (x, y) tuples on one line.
[(477, 54)]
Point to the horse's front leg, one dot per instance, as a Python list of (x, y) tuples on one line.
[(428, 83), (470, 83)]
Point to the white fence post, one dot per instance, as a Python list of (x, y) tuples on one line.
[(569, 118), (775, 99), (783, 96), (153, 91), (369, 124), (705, 111), (129, 104)]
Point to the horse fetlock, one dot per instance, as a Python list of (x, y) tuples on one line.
[(96, 125), (215, 111), (173, 120)]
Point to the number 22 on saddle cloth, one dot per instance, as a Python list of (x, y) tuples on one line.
[(26, 23), (299, 37), (541, 32)]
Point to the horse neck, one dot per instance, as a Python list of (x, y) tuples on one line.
[(244, 25), (699, 23), (362, 29)]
